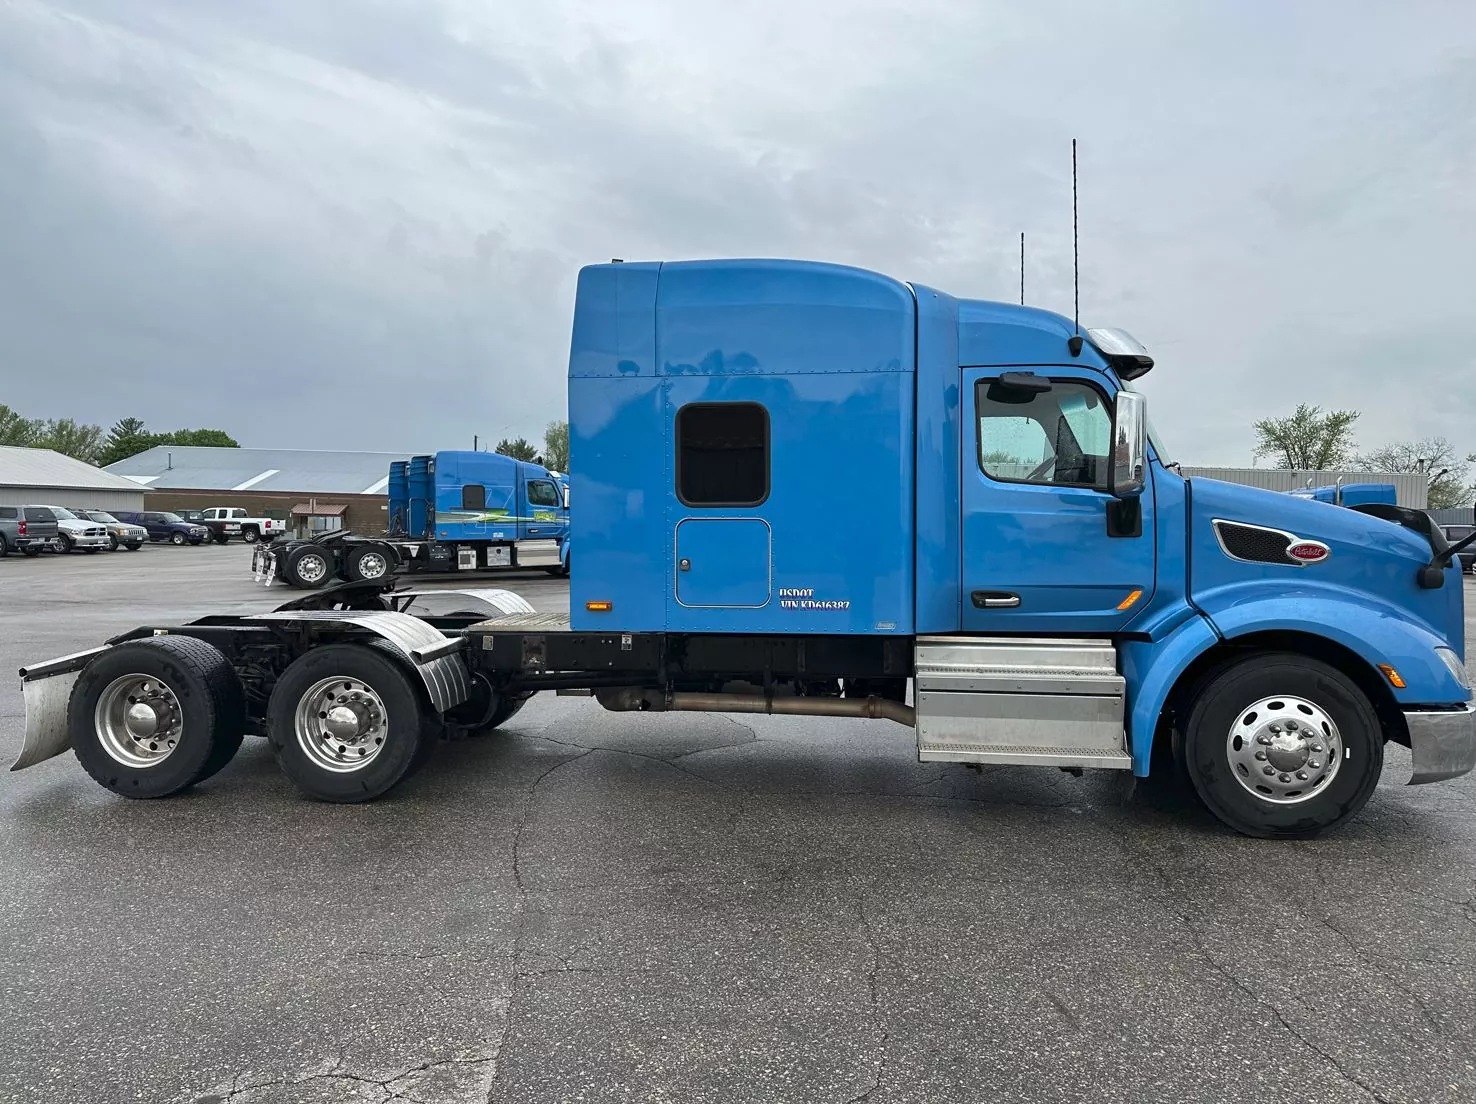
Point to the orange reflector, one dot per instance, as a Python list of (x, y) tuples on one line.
[(599, 607), (1129, 600), (1392, 675)]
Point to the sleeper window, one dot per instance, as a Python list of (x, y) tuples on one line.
[(1058, 436), (722, 454), (473, 497)]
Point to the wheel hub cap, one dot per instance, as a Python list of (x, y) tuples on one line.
[(138, 720), (341, 724), (1284, 749)]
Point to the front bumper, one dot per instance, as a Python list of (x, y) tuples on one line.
[(1443, 742), (81, 541)]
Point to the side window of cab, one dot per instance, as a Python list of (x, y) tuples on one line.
[(1058, 437)]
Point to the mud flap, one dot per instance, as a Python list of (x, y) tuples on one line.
[(47, 689)]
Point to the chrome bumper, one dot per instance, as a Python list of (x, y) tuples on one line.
[(1443, 743)]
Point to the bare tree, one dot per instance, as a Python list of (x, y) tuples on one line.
[(1435, 455)]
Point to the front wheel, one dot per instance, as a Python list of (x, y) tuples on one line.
[(112, 542), (1282, 746), (177, 538), (346, 722), (133, 547)]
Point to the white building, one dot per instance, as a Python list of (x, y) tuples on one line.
[(41, 477)]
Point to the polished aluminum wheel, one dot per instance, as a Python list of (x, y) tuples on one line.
[(373, 565), (138, 720), (1284, 749), (341, 724), (312, 568)]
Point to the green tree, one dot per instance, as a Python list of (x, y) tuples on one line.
[(1435, 455), (64, 435), (200, 438), (556, 446), (518, 450), (1309, 440), (128, 437), (18, 430)]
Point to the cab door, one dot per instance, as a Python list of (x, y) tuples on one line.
[(1046, 548), (545, 517)]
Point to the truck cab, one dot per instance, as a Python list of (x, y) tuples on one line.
[(824, 453)]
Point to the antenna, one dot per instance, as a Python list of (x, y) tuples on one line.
[(1022, 268), (1074, 342)]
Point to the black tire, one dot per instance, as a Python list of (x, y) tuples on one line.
[(177, 538), (90, 551), (64, 543), (506, 710), (405, 725), (221, 538), (4, 546), (112, 542), (250, 536), (1220, 707), (133, 547), (368, 563), (31, 551), (211, 711), (307, 567)]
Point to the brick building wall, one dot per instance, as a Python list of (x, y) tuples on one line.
[(367, 514)]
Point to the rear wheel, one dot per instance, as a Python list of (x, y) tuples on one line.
[(150, 717), (307, 566), (250, 536), (4, 545), (347, 722), (31, 551), (367, 563), (64, 543), (1282, 746)]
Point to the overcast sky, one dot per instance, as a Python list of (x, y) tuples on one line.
[(357, 225)]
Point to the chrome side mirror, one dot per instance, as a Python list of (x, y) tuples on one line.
[(1129, 445)]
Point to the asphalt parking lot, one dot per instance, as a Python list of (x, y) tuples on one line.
[(624, 907)]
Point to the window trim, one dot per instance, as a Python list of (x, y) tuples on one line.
[(676, 433), (1108, 401), (558, 498), (479, 486)]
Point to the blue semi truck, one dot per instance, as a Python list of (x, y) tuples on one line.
[(814, 490), (451, 512)]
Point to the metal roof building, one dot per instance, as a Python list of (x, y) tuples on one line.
[(41, 477), (264, 471)]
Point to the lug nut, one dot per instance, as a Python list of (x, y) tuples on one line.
[(1301, 776), (1317, 748), (1264, 739), (1261, 755), (1315, 765), (1275, 728), (1286, 778), (1268, 770), (1291, 726)]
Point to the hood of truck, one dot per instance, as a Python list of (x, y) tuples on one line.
[(1364, 588)]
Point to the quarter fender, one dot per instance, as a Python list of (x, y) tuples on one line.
[(1151, 668)]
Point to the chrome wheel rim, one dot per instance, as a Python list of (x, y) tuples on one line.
[(372, 565), (1284, 749), (312, 567), (341, 724), (138, 720)]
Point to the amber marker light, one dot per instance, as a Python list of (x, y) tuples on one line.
[(1392, 675), (1129, 600), (599, 607)]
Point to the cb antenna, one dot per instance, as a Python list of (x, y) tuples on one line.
[(1074, 342), (1022, 268)]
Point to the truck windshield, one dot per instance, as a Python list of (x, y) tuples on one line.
[(103, 517), (63, 514), (172, 518)]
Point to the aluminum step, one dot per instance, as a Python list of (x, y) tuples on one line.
[(1031, 701)]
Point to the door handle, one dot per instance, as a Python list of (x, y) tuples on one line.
[(995, 599)]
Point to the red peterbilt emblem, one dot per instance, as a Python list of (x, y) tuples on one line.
[(1308, 551)]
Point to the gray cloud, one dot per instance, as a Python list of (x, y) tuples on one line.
[(341, 223)]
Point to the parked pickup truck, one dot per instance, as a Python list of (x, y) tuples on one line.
[(29, 530), (79, 532), (220, 531), (252, 529), (165, 526)]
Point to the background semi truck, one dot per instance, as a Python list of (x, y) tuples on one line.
[(820, 491), (448, 512)]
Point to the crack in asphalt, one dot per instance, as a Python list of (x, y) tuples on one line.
[(335, 1072), (873, 971)]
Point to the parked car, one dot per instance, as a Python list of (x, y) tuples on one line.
[(252, 529), (78, 532), (29, 530), (1467, 556), (165, 526), (220, 531), (120, 533)]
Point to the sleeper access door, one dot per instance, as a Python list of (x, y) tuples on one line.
[(1046, 548)]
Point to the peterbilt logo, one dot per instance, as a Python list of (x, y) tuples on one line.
[(1307, 551)]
